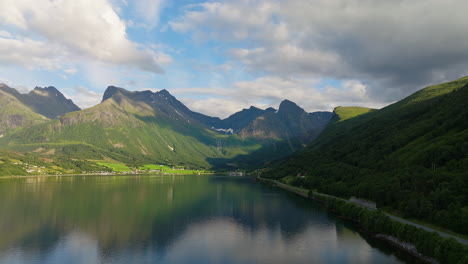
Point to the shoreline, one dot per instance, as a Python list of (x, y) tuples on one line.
[(406, 247), (97, 174)]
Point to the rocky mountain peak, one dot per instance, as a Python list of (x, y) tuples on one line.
[(46, 91), (164, 92), (287, 106), (47, 101), (111, 91), (7, 89)]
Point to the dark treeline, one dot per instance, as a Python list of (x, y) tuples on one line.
[(410, 157), (444, 250)]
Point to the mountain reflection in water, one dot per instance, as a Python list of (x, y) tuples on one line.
[(172, 219)]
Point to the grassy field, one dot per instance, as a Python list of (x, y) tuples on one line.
[(115, 166), (348, 112), (169, 169)]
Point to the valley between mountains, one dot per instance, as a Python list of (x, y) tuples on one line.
[(43, 132), (409, 157)]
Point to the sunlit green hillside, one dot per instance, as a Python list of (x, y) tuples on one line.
[(410, 156)]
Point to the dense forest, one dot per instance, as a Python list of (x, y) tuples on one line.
[(410, 157), (444, 250)]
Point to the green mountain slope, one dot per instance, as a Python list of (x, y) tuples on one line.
[(14, 114), (133, 128), (42, 161), (281, 132), (342, 113), (140, 128), (47, 101), (410, 156)]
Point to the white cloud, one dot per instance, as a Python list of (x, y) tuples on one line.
[(11, 84), (288, 60), (82, 96), (393, 46), (149, 10), (30, 54), (5, 34), (71, 71), (220, 107), (242, 19), (143, 13), (160, 57), (101, 76), (86, 28), (312, 94)]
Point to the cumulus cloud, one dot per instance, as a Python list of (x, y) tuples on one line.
[(19, 88), (394, 46), (312, 94), (70, 71), (235, 20), (5, 34), (288, 59), (30, 54), (214, 106), (62, 30), (82, 96), (148, 11)]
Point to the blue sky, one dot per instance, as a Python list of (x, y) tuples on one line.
[(220, 57)]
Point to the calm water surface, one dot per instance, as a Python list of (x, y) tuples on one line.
[(172, 219)]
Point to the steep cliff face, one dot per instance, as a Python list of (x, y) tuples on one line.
[(289, 122)]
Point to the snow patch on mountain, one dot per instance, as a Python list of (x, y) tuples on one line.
[(227, 131)]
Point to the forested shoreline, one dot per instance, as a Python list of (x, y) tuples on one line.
[(410, 157), (429, 244)]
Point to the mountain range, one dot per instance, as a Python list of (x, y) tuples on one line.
[(47, 101), (145, 127), (410, 157), (14, 114)]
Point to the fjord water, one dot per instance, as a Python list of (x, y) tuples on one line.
[(172, 219)]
